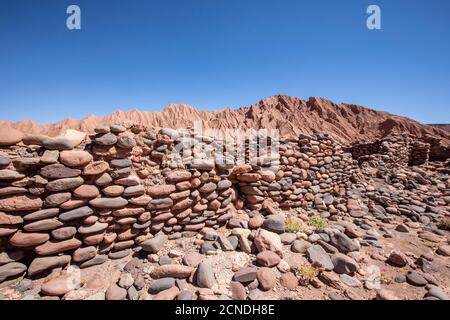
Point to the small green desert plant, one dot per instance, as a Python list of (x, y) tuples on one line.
[(318, 223), (434, 246), (306, 273), (385, 279), (293, 225)]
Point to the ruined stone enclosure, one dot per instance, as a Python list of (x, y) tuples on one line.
[(402, 149), (83, 199)]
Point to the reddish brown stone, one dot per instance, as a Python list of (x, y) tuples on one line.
[(7, 230), (9, 136), (75, 158), (237, 291), (86, 192), (178, 176), (160, 191), (58, 171), (23, 240), (20, 203), (96, 168), (113, 191), (268, 258), (10, 219), (288, 280), (171, 270), (51, 247), (94, 239), (64, 233)]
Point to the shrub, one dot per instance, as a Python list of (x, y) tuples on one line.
[(294, 225), (318, 223), (385, 279), (306, 273)]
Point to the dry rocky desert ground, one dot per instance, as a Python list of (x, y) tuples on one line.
[(347, 203)]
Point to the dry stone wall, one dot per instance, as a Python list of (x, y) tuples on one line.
[(311, 172), (78, 199), (399, 150)]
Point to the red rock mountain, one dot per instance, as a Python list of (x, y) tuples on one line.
[(346, 123), (442, 126)]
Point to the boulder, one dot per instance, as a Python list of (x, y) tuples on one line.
[(316, 254), (274, 223), (7, 219), (41, 264), (10, 175), (10, 136), (245, 274), (59, 171), (96, 168), (65, 184), (343, 243), (20, 203), (109, 203), (266, 240), (53, 247), (178, 176), (64, 233), (266, 278), (171, 271), (68, 141), (155, 244), (161, 285), (97, 227), (75, 158), (160, 191), (115, 292), (86, 192), (25, 240), (344, 264), (84, 254), (11, 256), (268, 259), (41, 214), (205, 275), (11, 269), (43, 225), (76, 214), (108, 139), (398, 259)]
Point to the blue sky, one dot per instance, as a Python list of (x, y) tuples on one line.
[(221, 53)]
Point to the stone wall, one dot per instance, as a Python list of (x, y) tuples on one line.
[(312, 171), (399, 150), (439, 151), (84, 199), (361, 150)]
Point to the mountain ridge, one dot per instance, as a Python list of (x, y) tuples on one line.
[(346, 123)]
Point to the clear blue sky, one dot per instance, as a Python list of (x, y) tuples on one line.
[(219, 53)]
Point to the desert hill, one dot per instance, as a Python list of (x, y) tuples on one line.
[(442, 126), (346, 123)]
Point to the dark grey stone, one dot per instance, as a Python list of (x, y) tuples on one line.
[(161, 285), (155, 244), (316, 254)]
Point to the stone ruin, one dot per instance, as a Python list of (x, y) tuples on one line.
[(401, 150), (82, 200)]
